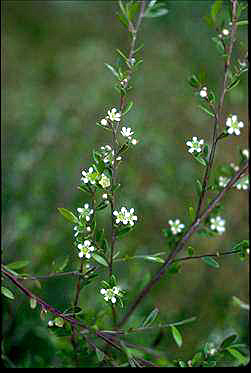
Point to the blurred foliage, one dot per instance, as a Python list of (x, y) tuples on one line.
[(55, 88)]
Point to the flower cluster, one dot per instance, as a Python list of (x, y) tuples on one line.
[(124, 216), (195, 145), (85, 249), (218, 224), (223, 181), (127, 132), (104, 181), (111, 294), (176, 226), (234, 125), (112, 115)]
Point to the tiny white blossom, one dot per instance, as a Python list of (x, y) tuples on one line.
[(89, 176), (86, 249), (176, 226), (111, 294), (203, 92), (113, 114), (134, 142), (104, 196), (223, 181), (195, 145), (225, 32), (50, 323), (243, 183), (218, 224), (103, 122), (124, 216), (126, 132), (104, 181), (234, 125), (234, 167), (85, 212), (88, 229), (245, 152)]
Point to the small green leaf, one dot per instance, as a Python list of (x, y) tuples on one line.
[(199, 159), (228, 341), (130, 105), (176, 335), (215, 9), (73, 310), (18, 265), (100, 260), (194, 81), (123, 231), (234, 83), (150, 318), (112, 69), (100, 354), (206, 111), (7, 293), (191, 213), (242, 23), (122, 55), (68, 215), (150, 258), (190, 250), (198, 187), (235, 353), (210, 262)]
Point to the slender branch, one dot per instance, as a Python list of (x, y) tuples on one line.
[(215, 255), (52, 275), (114, 144), (218, 113), (181, 244)]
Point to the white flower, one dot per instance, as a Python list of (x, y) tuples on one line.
[(126, 132), (134, 142), (195, 145), (103, 122), (88, 229), (176, 226), (104, 181), (245, 152), (89, 176), (203, 92), (50, 323), (243, 183), (225, 32), (234, 126), (110, 294), (114, 115), (223, 181), (108, 154), (234, 167), (124, 216), (85, 212), (218, 224), (104, 196), (85, 249)]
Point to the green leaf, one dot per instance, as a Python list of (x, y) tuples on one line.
[(112, 69), (198, 187), (100, 354), (199, 159), (7, 293), (228, 341), (122, 55), (123, 231), (100, 260), (18, 265), (176, 335), (240, 303), (130, 105), (84, 188), (191, 213), (242, 23), (150, 258), (157, 10), (73, 311), (68, 215), (190, 250), (215, 9), (150, 318), (234, 83), (210, 262), (101, 206), (235, 353), (194, 81), (206, 111)]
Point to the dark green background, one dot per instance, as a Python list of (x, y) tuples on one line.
[(55, 88)]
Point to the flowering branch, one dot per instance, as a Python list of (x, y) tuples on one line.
[(218, 112), (181, 244)]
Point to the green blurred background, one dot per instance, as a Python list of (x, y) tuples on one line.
[(55, 88)]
